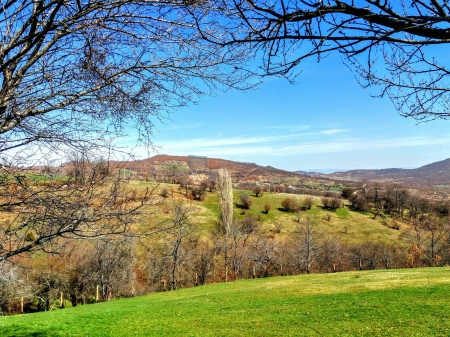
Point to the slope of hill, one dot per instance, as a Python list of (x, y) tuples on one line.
[(434, 174), (408, 302), (178, 164)]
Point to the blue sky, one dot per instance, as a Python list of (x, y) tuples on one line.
[(325, 121)]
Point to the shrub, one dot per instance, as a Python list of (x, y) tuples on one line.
[(308, 202), (331, 203), (347, 192), (198, 192), (164, 193), (266, 208), (359, 203), (246, 201), (290, 204), (258, 190)]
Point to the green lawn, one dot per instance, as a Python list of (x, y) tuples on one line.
[(408, 302)]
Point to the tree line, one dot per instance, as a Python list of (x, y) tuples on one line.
[(180, 254)]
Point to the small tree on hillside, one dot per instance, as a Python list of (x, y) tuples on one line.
[(306, 242), (246, 200), (307, 203), (198, 193), (258, 190), (225, 191), (347, 192), (266, 208), (290, 204)]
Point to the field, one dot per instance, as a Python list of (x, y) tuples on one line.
[(407, 302), (349, 226)]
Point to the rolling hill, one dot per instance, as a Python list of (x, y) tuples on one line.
[(435, 174)]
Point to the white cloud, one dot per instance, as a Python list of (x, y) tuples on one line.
[(332, 131), (292, 145)]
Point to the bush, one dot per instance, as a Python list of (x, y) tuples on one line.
[(258, 190), (164, 193), (198, 192), (347, 192), (266, 208), (290, 204), (308, 202), (331, 203), (246, 201), (359, 203)]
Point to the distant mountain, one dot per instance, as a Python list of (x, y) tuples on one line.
[(322, 171), (429, 176), (433, 174), (244, 171)]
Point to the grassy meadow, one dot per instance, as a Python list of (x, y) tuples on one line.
[(348, 226), (407, 302)]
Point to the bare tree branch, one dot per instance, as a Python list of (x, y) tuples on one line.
[(396, 46)]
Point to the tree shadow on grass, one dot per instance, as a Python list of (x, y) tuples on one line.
[(26, 332)]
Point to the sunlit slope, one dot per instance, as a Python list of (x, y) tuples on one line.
[(407, 302)]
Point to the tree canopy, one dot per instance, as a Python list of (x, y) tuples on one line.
[(77, 72), (396, 45)]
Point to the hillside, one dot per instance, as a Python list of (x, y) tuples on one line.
[(435, 174), (175, 164), (431, 175), (408, 302)]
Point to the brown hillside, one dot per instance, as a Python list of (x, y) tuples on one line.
[(243, 170), (435, 174)]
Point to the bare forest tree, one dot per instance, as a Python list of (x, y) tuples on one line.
[(306, 242), (12, 285), (225, 191), (240, 235), (394, 45), (101, 63), (73, 75), (111, 265), (43, 214), (182, 227)]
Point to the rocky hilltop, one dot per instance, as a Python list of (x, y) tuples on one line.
[(175, 165)]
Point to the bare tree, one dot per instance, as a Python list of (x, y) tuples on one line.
[(306, 244), (182, 227), (396, 45), (73, 75), (42, 214), (436, 232), (203, 260), (68, 68), (241, 233), (225, 191), (12, 285), (246, 200), (258, 190), (111, 266)]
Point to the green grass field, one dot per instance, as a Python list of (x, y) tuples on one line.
[(407, 302), (350, 227)]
